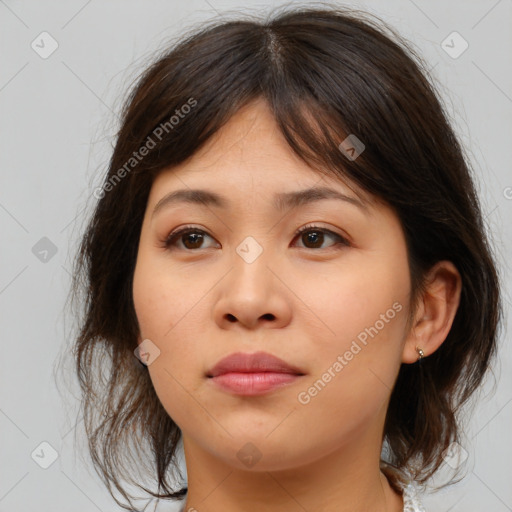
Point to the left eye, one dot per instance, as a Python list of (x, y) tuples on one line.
[(192, 238), (315, 235)]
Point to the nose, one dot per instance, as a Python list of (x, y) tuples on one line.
[(253, 295)]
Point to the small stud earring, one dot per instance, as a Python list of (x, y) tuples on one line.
[(420, 352)]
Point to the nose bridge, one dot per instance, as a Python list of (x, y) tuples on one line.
[(251, 293), (250, 250), (250, 262)]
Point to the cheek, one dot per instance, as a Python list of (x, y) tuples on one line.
[(163, 315), (151, 301), (160, 299), (169, 312), (363, 315), (354, 299)]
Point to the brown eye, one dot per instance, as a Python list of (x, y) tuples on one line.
[(313, 236), (190, 238)]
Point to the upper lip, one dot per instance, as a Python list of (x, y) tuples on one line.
[(252, 363)]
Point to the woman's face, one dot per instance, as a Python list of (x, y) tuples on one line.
[(332, 304)]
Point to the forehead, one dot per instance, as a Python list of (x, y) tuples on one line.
[(249, 155), (249, 141)]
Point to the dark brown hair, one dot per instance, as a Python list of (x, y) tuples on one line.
[(325, 74)]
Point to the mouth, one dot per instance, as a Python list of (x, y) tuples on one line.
[(253, 374)]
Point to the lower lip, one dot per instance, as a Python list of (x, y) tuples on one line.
[(253, 383)]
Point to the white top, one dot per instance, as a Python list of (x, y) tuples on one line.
[(412, 501), (409, 492)]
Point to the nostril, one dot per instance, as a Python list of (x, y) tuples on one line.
[(266, 316)]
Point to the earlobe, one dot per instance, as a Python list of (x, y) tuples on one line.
[(435, 314)]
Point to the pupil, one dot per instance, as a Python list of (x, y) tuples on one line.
[(312, 235), (196, 237)]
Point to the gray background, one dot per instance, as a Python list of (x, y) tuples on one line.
[(58, 121)]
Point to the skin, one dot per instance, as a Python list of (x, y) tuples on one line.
[(302, 301)]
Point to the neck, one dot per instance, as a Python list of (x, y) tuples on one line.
[(346, 480)]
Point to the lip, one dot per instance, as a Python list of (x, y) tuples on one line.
[(257, 362), (253, 374)]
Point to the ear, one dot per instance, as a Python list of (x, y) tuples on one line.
[(436, 311)]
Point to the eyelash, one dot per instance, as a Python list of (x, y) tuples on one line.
[(170, 240)]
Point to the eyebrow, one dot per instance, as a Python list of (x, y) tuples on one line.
[(282, 200)]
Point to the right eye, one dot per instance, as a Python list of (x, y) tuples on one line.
[(190, 237)]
